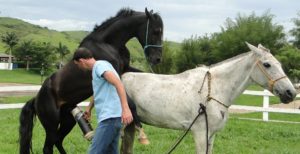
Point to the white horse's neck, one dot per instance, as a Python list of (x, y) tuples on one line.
[(231, 77)]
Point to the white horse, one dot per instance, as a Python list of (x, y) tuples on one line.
[(172, 101)]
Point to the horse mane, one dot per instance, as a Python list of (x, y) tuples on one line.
[(231, 59), (122, 13)]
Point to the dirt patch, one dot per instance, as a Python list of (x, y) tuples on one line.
[(16, 93), (293, 105), (15, 84)]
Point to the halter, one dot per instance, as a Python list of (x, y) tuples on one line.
[(271, 82), (149, 45), (146, 43)]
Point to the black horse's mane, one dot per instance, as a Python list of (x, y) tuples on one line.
[(124, 12)]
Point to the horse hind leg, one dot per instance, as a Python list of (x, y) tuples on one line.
[(67, 122), (128, 139), (48, 115), (143, 139)]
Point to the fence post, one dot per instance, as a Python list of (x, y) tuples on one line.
[(266, 105)]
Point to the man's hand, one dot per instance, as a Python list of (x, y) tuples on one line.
[(87, 115), (126, 117)]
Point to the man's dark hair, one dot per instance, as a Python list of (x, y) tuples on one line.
[(82, 53)]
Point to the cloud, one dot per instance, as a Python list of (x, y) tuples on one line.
[(182, 18), (62, 25)]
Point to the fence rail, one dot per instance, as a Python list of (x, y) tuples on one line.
[(265, 109)]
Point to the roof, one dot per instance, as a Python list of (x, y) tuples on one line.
[(4, 55)]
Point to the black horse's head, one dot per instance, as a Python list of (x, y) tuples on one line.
[(150, 36)]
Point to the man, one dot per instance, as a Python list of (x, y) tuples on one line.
[(109, 100)]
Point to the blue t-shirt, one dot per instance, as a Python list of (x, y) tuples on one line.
[(107, 101)]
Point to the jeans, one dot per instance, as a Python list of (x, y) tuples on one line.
[(106, 138)]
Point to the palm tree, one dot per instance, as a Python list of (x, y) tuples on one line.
[(62, 50), (25, 51), (10, 39)]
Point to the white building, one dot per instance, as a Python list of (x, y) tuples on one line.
[(4, 62)]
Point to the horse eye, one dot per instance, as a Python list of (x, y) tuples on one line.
[(266, 65), (157, 31)]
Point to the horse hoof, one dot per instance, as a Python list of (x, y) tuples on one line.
[(144, 141), (89, 136)]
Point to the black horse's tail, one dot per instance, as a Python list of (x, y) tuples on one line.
[(26, 126)]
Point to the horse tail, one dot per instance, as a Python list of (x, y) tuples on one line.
[(26, 126)]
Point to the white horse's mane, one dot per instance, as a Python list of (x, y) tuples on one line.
[(231, 59), (224, 61)]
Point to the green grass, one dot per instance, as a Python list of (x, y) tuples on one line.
[(19, 76), (252, 100), (238, 136), (14, 99)]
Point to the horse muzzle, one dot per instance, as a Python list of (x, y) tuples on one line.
[(287, 96), (155, 59)]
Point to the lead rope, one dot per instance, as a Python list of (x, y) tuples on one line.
[(202, 109)]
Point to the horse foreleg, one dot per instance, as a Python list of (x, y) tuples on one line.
[(211, 143), (200, 140), (128, 139)]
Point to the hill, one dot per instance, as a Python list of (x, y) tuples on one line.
[(27, 31)]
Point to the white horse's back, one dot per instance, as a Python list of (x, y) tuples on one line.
[(153, 93)]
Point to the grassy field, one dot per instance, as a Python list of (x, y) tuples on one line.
[(238, 136), (19, 76)]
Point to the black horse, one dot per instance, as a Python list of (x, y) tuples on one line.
[(64, 89)]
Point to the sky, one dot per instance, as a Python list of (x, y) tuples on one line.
[(182, 18)]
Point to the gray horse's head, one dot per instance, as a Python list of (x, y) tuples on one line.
[(269, 74)]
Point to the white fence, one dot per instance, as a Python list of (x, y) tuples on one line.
[(265, 94), (266, 108)]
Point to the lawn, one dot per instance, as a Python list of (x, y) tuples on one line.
[(238, 136), (20, 76)]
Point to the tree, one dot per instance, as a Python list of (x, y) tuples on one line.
[(253, 29), (25, 51), (289, 56), (296, 32), (40, 54), (195, 51), (62, 50), (44, 56), (10, 39)]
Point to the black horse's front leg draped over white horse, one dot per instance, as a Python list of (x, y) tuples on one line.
[(69, 86)]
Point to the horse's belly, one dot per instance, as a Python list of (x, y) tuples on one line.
[(161, 114)]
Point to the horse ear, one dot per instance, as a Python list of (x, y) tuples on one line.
[(263, 48), (149, 14), (253, 48)]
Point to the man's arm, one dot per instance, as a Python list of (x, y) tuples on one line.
[(114, 80), (88, 110)]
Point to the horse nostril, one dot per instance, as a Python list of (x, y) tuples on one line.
[(158, 60), (289, 94)]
